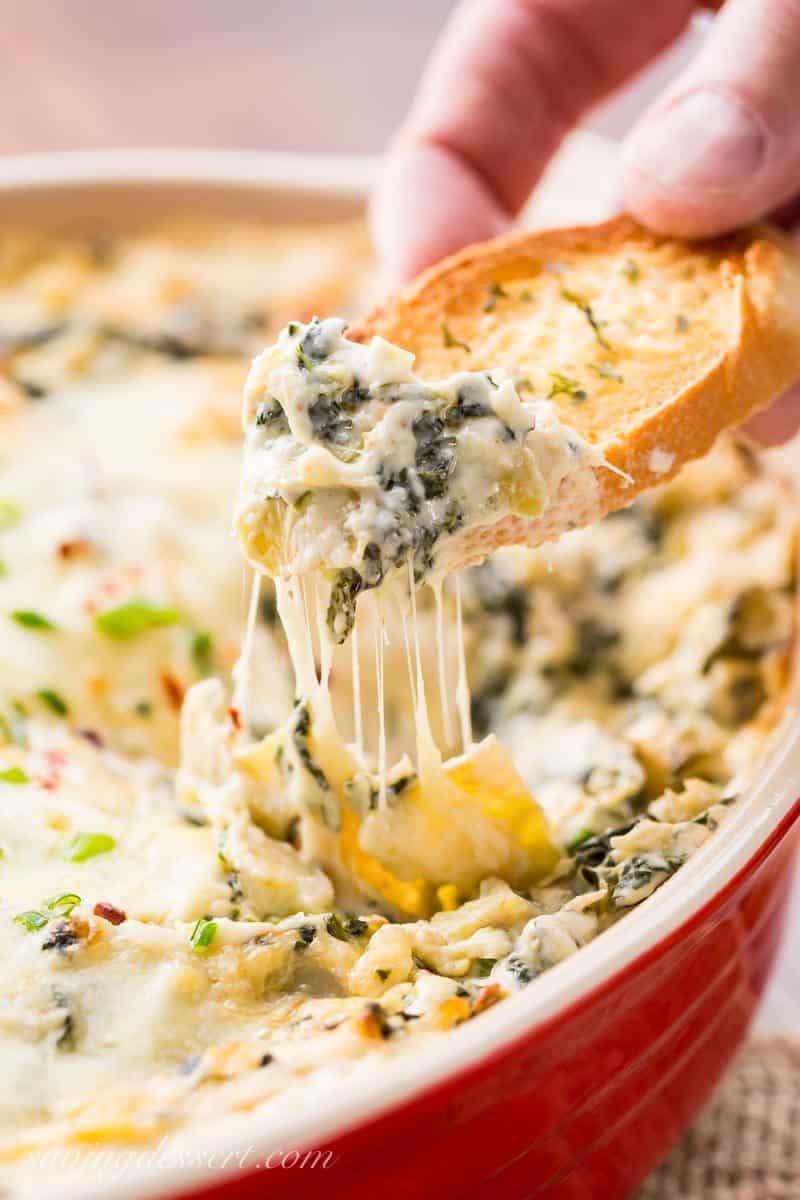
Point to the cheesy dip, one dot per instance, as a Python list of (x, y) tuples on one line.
[(354, 468), (211, 920)]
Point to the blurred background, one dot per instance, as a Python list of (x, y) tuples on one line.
[(277, 74)]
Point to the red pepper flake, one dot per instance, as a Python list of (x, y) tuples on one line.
[(56, 760), (173, 688), (235, 716), (109, 913), (487, 997), (74, 548), (373, 1022), (92, 737)]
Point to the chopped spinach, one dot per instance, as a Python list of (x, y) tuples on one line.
[(468, 405), (329, 421), (435, 454), (270, 415), (341, 613), (317, 342), (300, 734), (520, 970), (638, 878)]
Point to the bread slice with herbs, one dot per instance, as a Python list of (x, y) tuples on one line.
[(648, 346)]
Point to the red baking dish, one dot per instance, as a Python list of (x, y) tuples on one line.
[(575, 1088)]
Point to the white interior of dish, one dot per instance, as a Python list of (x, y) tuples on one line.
[(119, 189)]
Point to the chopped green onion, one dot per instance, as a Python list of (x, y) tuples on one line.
[(483, 967), (496, 292), (581, 836), (203, 934), (62, 906), (587, 310), (134, 617), (54, 702), (32, 920), (449, 341), (565, 385), (202, 651), (14, 775), (10, 514), (631, 271), (88, 845), (29, 619)]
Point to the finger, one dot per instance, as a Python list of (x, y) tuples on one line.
[(722, 147), (778, 423), (507, 81)]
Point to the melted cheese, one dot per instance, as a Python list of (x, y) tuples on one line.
[(632, 672), (354, 467)]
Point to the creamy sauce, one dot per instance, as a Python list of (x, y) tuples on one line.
[(261, 923)]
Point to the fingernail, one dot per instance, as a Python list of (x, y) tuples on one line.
[(706, 140)]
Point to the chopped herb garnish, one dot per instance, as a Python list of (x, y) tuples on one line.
[(341, 613), (62, 906), (202, 651), (631, 271), (273, 416), (29, 619), (32, 921), (576, 842), (13, 728), (304, 360), (335, 928), (450, 341), (54, 701), (14, 775), (143, 708), (88, 845), (483, 967), (607, 370), (203, 934), (10, 514), (382, 973), (496, 292), (682, 323), (133, 617), (526, 295), (565, 385), (586, 308)]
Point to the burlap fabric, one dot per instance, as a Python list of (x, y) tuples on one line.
[(746, 1143)]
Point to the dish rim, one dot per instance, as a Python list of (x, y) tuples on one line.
[(760, 819)]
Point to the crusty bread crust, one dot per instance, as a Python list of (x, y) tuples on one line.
[(650, 347)]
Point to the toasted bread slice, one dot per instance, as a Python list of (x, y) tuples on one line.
[(649, 347)]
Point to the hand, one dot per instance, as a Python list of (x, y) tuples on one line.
[(510, 78)]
